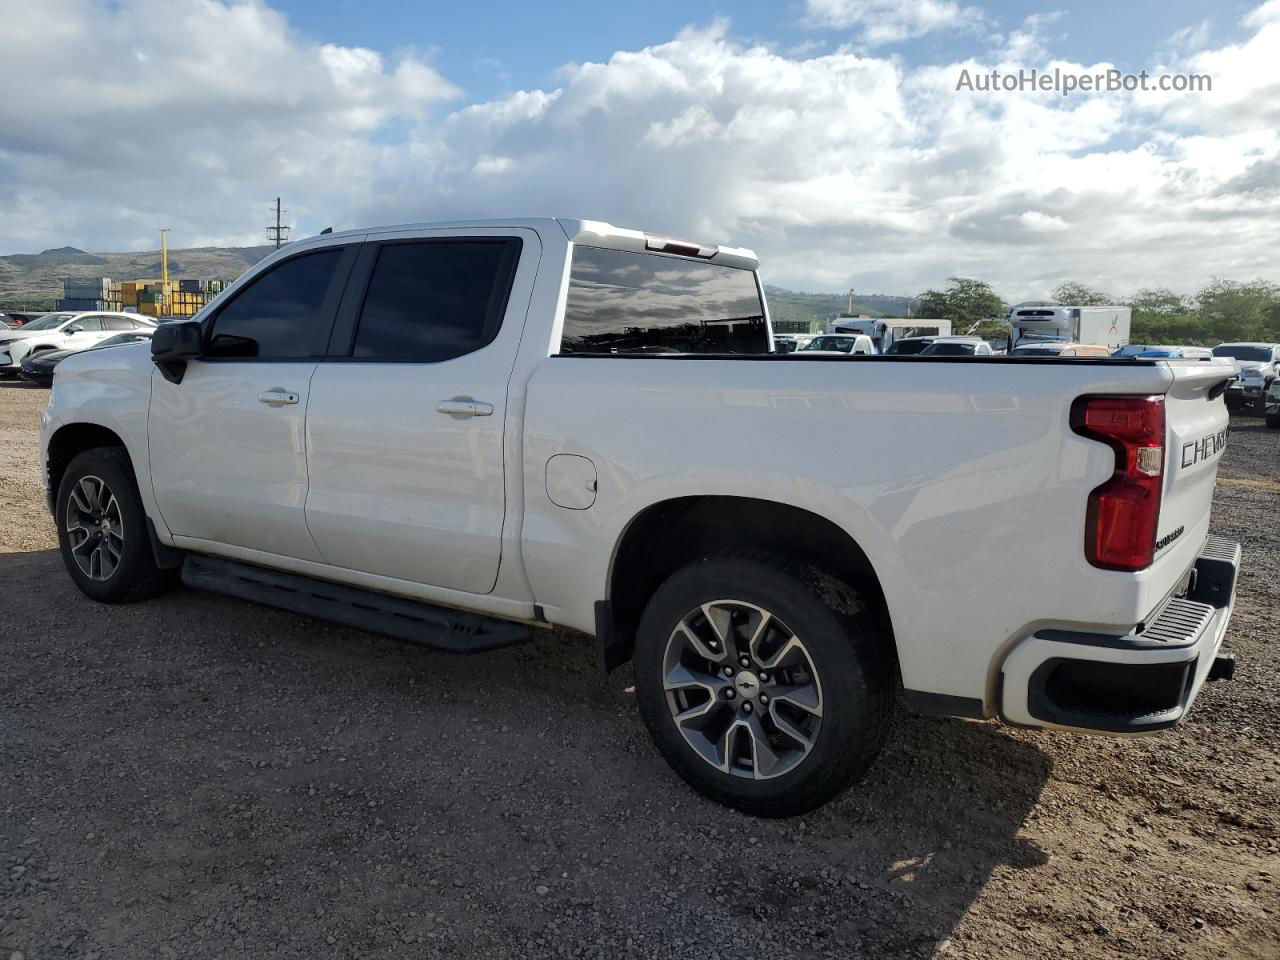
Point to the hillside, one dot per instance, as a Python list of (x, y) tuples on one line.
[(34, 280), (797, 305)]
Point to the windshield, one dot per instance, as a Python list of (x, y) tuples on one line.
[(843, 344), (949, 350), (622, 301), (1249, 354), (905, 348), (50, 321)]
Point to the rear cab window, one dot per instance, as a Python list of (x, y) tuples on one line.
[(622, 302)]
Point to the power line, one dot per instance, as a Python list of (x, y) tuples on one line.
[(279, 233)]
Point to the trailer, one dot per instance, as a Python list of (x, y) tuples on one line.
[(1106, 326)]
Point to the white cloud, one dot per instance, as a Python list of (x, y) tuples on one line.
[(118, 119), (890, 21), (840, 169)]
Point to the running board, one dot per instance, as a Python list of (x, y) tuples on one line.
[(453, 631)]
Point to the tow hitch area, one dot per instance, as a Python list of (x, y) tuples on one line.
[(1224, 667)]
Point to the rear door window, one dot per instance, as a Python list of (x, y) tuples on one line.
[(435, 299), (623, 302)]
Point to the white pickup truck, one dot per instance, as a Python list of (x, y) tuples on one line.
[(458, 433)]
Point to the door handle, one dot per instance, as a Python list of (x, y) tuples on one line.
[(465, 407), (277, 397)]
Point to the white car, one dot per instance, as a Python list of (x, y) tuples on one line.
[(1259, 368), (460, 433), (844, 344), (64, 330)]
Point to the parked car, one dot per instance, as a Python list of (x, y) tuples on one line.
[(1131, 349), (784, 344), (63, 331), (849, 344), (458, 433), (1259, 367), (5, 322), (1272, 408), (1175, 353), (1055, 349), (38, 367), (958, 347), (18, 319), (908, 346)]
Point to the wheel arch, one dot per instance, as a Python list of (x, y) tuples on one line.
[(671, 533), (72, 439)]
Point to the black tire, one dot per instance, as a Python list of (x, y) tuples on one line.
[(850, 654), (1262, 399), (135, 575), (1273, 420)]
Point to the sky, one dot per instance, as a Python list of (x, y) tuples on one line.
[(836, 138)]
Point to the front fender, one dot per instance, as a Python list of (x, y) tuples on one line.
[(109, 389)]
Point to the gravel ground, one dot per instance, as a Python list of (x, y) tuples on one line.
[(198, 777)]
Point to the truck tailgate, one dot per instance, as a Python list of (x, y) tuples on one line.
[(1196, 426)]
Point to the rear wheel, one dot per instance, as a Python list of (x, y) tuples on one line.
[(1273, 420), (102, 529), (766, 684)]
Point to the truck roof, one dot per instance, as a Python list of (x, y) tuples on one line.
[(593, 233)]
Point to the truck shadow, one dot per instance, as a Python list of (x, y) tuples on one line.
[(219, 747)]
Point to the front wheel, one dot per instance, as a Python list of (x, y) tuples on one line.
[(102, 529), (767, 684)]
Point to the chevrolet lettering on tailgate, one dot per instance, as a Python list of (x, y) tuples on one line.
[(1195, 451)]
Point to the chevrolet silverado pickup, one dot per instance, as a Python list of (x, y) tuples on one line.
[(460, 433)]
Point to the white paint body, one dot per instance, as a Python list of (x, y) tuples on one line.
[(961, 480)]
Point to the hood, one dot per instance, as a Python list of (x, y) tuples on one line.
[(49, 357), (1251, 368), (22, 333)]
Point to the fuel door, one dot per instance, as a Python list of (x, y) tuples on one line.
[(571, 481)]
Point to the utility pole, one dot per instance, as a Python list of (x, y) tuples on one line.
[(164, 257), (850, 313), (279, 233)]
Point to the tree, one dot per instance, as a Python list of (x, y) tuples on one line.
[(1243, 311), (965, 302), (1074, 294)]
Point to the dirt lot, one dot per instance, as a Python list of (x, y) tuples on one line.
[(199, 777)]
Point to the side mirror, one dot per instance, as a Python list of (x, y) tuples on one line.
[(173, 344), (74, 328)]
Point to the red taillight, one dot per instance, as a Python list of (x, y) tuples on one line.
[(1120, 526)]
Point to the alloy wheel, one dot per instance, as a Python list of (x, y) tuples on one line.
[(742, 689), (95, 528)]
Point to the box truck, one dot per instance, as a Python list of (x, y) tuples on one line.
[(1107, 326), (884, 330)]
